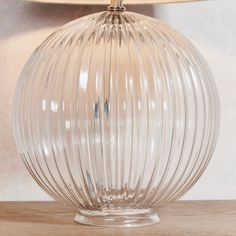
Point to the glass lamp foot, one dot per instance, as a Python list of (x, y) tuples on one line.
[(117, 217)]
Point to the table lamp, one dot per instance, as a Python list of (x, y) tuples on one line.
[(117, 114)]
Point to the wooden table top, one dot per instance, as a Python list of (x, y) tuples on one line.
[(182, 218)]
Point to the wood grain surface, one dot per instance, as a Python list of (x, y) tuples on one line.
[(182, 218)]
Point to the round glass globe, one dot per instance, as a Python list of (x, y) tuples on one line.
[(117, 114)]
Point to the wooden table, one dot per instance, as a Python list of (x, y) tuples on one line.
[(182, 218)]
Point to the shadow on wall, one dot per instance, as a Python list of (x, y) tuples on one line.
[(35, 16)]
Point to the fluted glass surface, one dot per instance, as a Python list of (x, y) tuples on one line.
[(117, 114)]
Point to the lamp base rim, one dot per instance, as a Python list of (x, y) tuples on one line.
[(117, 217)]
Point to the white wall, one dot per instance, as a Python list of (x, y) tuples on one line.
[(210, 25)]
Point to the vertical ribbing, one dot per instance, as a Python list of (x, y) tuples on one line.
[(116, 110)]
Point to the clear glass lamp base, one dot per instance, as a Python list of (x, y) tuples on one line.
[(118, 217)]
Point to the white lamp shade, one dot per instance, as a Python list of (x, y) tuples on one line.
[(106, 2)]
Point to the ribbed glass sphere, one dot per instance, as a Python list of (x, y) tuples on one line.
[(117, 114)]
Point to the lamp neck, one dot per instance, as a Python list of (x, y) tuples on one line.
[(116, 5)]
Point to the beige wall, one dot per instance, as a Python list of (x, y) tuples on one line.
[(210, 25)]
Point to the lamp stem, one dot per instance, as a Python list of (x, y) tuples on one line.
[(116, 5)]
